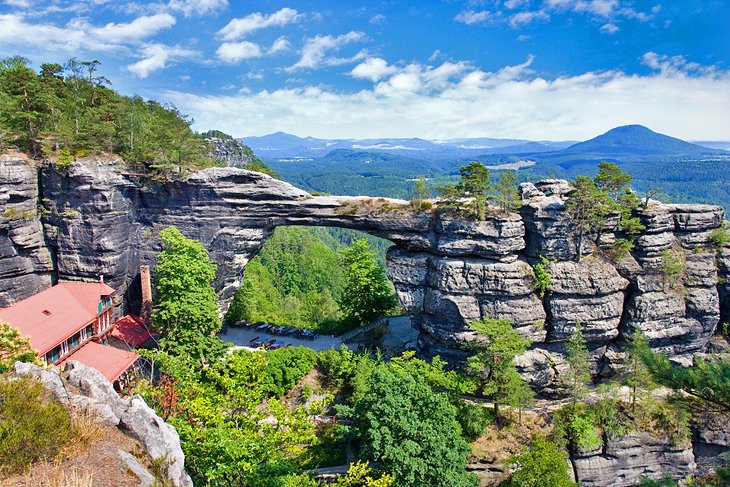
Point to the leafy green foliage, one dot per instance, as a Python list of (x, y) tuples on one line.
[(506, 195), (587, 207), (33, 427), (543, 278), (720, 237), (420, 191), (707, 381), (285, 367), (232, 432), (411, 431), (186, 312), (637, 375), (575, 426), (493, 362), (544, 464), (298, 279), (595, 199), (474, 420), (15, 348), (70, 110), (578, 376), (359, 475), (672, 266), (471, 193), (367, 294)]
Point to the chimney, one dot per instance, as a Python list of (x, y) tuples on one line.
[(101, 278), (144, 278)]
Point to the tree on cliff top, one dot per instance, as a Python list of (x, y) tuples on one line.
[(471, 192), (186, 313)]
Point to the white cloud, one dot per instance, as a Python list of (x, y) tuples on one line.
[(513, 4), (524, 18), (140, 28), (314, 52), (373, 69), (377, 19), (676, 65), (19, 3), (279, 45), (233, 52), (197, 7), (156, 57), (470, 17), (459, 100), (609, 28), (16, 31), (238, 28)]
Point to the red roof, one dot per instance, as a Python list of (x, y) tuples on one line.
[(110, 361), (132, 330), (51, 316)]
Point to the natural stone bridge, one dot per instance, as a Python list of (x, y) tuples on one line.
[(446, 271)]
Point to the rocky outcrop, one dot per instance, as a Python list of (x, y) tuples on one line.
[(229, 150), (622, 462), (86, 390), (447, 271), (26, 266)]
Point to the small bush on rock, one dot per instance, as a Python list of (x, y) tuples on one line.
[(32, 426)]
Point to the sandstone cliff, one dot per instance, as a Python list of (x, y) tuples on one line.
[(446, 271)]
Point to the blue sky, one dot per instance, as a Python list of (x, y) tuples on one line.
[(538, 69)]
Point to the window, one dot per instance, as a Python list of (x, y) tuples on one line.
[(90, 330), (64, 348), (75, 340), (52, 356)]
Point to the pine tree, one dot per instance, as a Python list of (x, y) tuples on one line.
[(493, 363), (638, 377), (578, 375), (420, 191), (506, 194)]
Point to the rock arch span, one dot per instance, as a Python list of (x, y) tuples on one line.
[(446, 271)]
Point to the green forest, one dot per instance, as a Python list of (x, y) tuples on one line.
[(301, 277), (67, 111)]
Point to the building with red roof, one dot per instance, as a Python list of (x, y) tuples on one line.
[(63, 320), (132, 331)]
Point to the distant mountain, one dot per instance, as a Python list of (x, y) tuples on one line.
[(630, 143), (283, 146)]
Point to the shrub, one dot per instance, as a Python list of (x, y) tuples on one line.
[(285, 367), (32, 426), (672, 266), (621, 248), (64, 160), (474, 420), (543, 465), (420, 206), (720, 237), (543, 278)]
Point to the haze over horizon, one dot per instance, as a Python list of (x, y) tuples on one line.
[(527, 69)]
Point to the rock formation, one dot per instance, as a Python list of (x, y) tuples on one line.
[(86, 390), (446, 271)]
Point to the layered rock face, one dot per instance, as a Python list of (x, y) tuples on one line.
[(26, 265), (447, 272), (624, 461)]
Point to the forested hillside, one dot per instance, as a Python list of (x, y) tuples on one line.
[(69, 111), (300, 279)]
